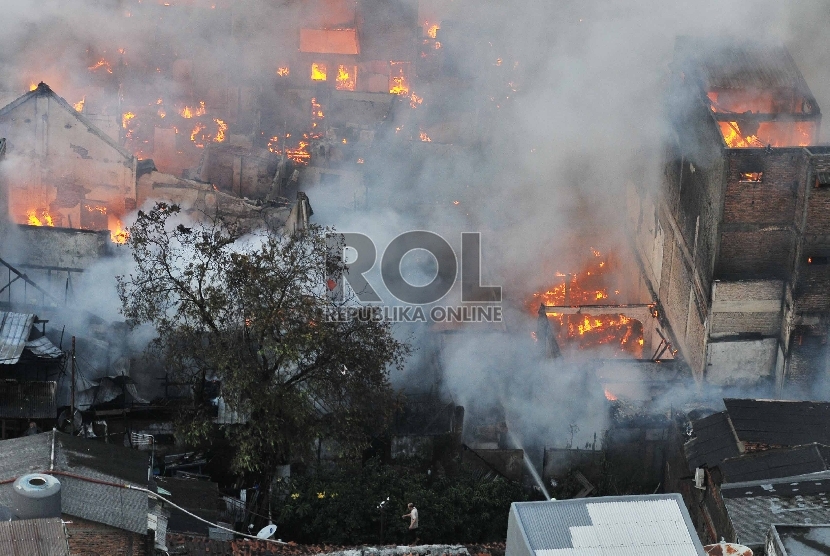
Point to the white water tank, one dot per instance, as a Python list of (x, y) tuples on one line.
[(36, 496)]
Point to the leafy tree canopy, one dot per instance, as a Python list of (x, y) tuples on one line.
[(249, 312), (340, 506)]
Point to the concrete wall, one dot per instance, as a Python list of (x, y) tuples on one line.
[(59, 162), (741, 361), (746, 307)]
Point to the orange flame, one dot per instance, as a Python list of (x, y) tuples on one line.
[(609, 396), (283, 71), (79, 106), (398, 78), (197, 131), (586, 288), (32, 86), (424, 137), (318, 71), (101, 64), (415, 100), (432, 29), (220, 133), (44, 220), (118, 234), (346, 78), (188, 112), (125, 119)]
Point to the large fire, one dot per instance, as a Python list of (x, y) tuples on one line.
[(119, 234), (743, 119), (318, 72), (592, 286), (399, 78), (346, 78), (39, 218)]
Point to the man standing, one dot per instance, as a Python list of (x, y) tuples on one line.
[(413, 522)]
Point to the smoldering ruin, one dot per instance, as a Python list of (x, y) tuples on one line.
[(649, 181)]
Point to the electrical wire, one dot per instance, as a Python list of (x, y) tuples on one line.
[(152, 495)]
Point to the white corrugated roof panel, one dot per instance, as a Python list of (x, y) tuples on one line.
[(613, 526)]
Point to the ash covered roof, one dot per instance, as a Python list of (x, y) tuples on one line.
[(753, 506), (801, 540), (655, 524), (780, 423), (118, 507)]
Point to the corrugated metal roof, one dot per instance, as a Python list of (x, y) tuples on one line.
[(14, 331), (27, 400), (43, 348), (657, 524), (34, 537)]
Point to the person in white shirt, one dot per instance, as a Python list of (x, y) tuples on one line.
[(413, 522)]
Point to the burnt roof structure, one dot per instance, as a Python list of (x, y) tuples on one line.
[(730, 64), (713, 441)]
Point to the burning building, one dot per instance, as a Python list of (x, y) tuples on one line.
[(61, 169), (733, 245)]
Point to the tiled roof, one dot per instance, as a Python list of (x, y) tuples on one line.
[(712, 442), (780, 423), (656, 524), (27, 400), (34, 537), (774, 464)]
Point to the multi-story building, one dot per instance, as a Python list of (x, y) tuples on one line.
[(735, 244)]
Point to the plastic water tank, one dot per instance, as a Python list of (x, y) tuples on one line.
[(35, 496)]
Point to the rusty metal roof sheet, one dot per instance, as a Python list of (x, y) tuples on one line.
[(34, 537), (43, 348), (14, 331), (27, 400), (655, 524)]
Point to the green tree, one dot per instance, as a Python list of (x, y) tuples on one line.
[(340, 506), (249, 312)]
